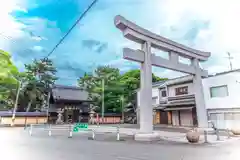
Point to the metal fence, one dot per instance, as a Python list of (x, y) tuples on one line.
[(51, 129)]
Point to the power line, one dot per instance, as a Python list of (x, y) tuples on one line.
[(74, 25), (62, 39)]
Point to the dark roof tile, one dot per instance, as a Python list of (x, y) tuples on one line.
[(69, 93)]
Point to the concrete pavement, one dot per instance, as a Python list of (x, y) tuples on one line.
[(17, 144), (128, 133)]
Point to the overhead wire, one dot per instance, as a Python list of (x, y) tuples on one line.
[(72, 27), (64, 37), (68, 32)]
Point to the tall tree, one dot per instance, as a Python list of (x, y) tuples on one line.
[(116, 87), (41, 76), (105, 79)]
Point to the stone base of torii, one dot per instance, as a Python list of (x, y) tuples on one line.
[(145, 57)]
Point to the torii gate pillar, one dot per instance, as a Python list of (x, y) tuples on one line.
[(144, 56), (146, 114)]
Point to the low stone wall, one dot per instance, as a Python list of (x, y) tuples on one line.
[(21, 120), (108, 120)]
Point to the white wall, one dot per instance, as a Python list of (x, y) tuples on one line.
[(155, 93), (171, 89), (231, 101), (170, 92)]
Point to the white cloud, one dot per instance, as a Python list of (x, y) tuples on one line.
[(221, 36), (9, 26), (10, 29), (160, 16), (38, 48), (223, 32), (36, 38)]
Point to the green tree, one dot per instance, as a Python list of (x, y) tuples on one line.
[(104, 79), (8, 80), (117, 87), (41, 76), (131, 82)]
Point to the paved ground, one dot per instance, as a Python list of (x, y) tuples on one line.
[(156, 127), (17, 144), (160, 127)]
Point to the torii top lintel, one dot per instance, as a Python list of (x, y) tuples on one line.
[(140, 35)]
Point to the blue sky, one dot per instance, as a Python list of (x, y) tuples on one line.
[(32, 28)]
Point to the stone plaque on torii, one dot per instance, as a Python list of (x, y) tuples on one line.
[(144, 56)]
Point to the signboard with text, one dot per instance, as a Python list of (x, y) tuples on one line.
[(80, 126)]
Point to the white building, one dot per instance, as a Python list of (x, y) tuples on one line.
[(222, 98), (174, 101)]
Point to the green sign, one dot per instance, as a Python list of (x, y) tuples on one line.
[(80, 126)]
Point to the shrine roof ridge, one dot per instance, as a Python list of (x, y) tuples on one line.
[(67, 87), (71, 93)]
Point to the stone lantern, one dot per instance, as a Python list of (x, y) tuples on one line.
[(91, 114), (59, 116)]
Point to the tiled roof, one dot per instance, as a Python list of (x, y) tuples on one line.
[(189, 78), (158, 83), (225, 72), (69, 93)]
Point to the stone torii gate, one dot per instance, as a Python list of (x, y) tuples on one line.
[(144, 56)]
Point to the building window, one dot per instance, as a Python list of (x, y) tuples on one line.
[(181, 90), (164, 93), (219, 91), (154, 100)]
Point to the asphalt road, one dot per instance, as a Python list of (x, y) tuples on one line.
[(16, 144)]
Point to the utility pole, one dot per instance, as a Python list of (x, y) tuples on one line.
[(229, 57), (16, 103), (48, 105), (103, 85), (122, 106)]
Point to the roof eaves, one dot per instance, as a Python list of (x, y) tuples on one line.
[(225, 72), (67, 87)]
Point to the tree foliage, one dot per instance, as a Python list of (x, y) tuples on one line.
[(41, 75), (115, 87), (93, 84), (131, 81), (8, 80), (34, 83)]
